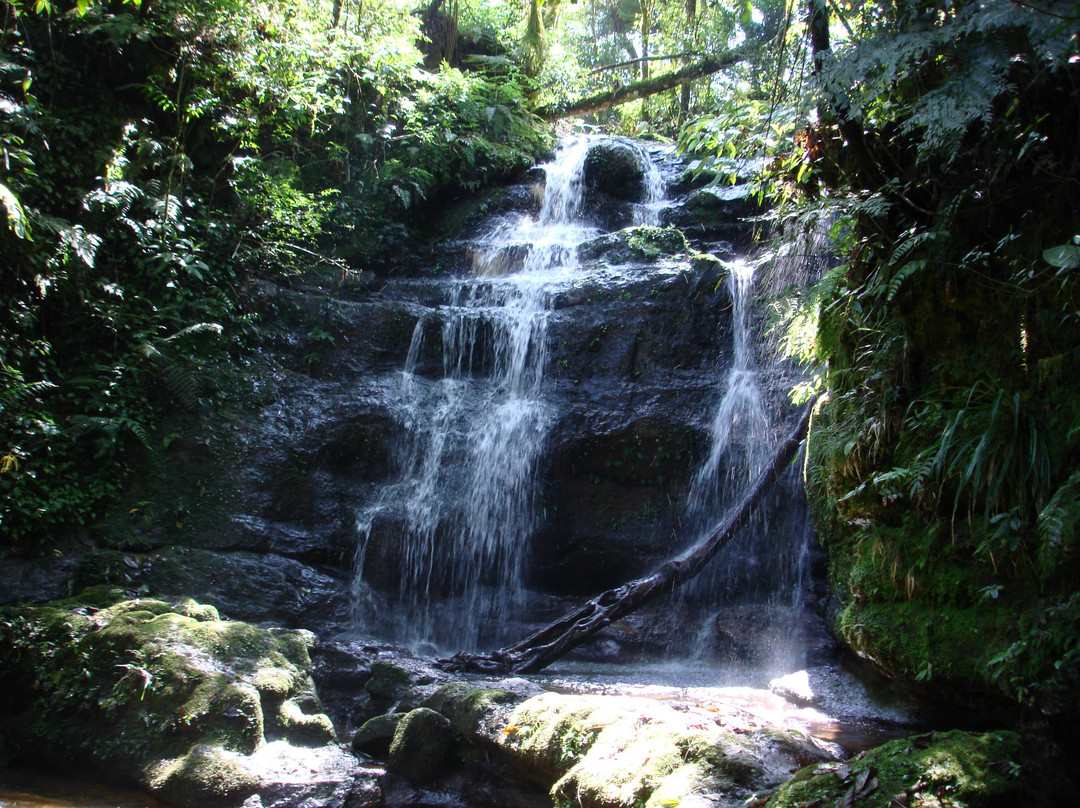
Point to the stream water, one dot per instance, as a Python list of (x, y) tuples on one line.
[(35, 789)]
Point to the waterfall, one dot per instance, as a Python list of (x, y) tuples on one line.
[(467, 483), (740, 431), (648, 211), (767, 563)]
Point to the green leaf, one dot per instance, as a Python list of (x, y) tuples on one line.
[(746, 15), (16, 214), (1064, 256)]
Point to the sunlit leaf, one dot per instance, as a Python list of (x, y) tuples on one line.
[(1064, 256)]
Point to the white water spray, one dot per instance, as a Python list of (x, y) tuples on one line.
[(740, 430), (466, 494)]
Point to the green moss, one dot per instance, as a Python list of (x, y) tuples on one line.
[(421, 745), (620, 751), (134, 681), (387, 679), (650, 243), (273, 682), (468, 707), (315, 729), (197, 611), (944, 769), (205, 776), (641, 243), (375, 735)]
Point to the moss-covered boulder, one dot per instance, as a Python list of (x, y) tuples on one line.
[(945, 769), (616, 168), (643, 243), (164, 695), (376, 734), (718, 213), (615, 751), (421, 746)]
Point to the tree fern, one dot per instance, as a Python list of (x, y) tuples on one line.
[(905, 272), (1057, 525), (181, 384), (939, 78)]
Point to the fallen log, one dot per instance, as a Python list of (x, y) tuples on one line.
[(646, 87), (549, 644)]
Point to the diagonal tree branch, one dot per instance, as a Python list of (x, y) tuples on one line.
[(641, 89), (550, 643)]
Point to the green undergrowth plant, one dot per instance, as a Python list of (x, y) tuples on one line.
[(940, 461)]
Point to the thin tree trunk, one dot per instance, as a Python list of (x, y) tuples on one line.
[(551, 643), (690, 6), (636, 59), (646, 24)]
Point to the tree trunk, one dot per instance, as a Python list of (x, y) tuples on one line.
[(549, 644), (534, 41), (646, 25), (641, 89), (690, 7)]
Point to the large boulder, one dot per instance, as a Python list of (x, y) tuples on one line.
[(941, 769), (611, 751), (167, 696), (717, 213), (243, 584), (615, 180), (617, 169)]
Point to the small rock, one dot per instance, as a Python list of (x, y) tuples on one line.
[(795, 687), (376, 734), (421, 745)]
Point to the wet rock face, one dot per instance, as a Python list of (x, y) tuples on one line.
[(611, 514), (717, 214), (616, 169), (309, 432), (259, 586)]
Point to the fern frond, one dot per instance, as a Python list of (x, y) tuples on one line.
[(14, 391), (181, 384), (905, 272), (81, 242), (197, 328), (116, 195)]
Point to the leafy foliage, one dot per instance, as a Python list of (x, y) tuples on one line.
[(939, 153), (943, 157), (155, 157)]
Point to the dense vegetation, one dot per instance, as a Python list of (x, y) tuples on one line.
[(945, 160), (159, 155)]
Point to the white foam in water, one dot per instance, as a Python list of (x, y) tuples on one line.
[(466, 493), (740, 429)]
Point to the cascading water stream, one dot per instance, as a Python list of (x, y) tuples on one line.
[(466, 492), (742, 437), (740, 432)]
